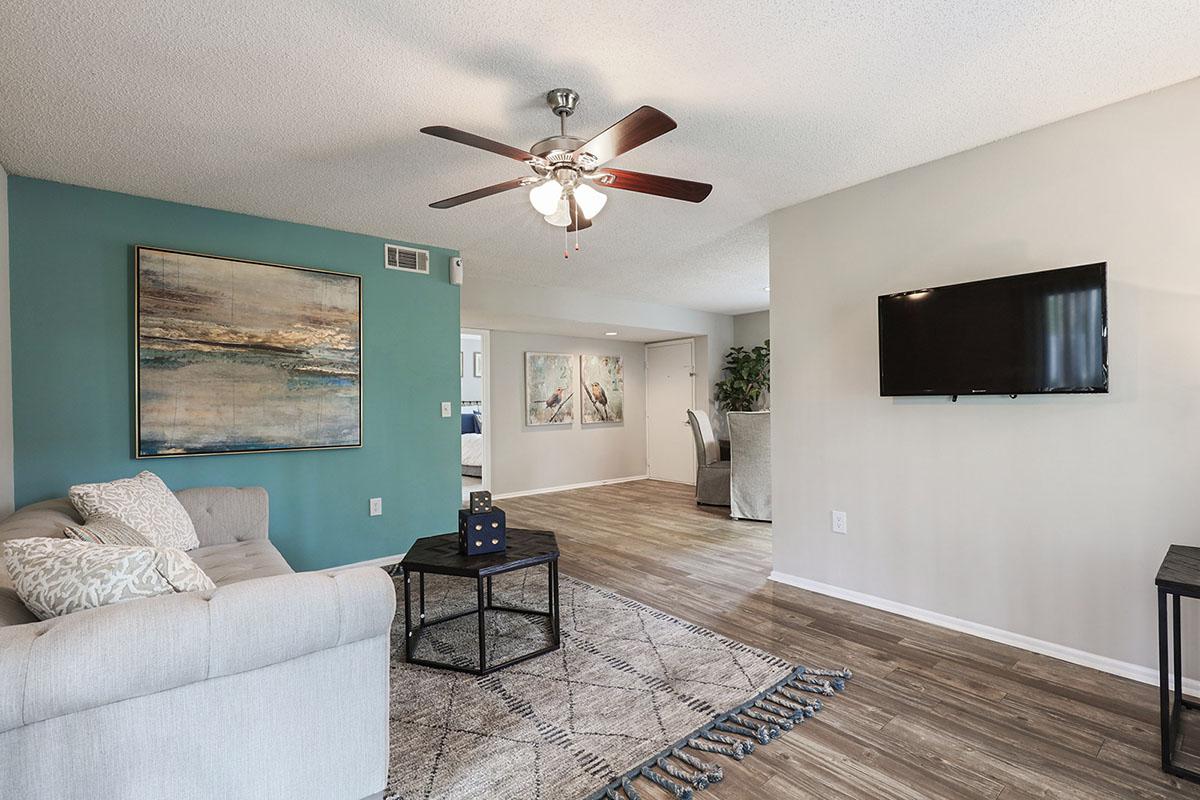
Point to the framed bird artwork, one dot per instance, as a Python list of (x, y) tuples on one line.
[(602, 385), (550, 393)]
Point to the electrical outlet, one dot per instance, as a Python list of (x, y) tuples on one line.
[(376, 506), (837, 521), (445, 409)]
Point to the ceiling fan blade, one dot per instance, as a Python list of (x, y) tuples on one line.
[(636, 129), (578, 220), (471, 140), (675, 188), (486, 191)]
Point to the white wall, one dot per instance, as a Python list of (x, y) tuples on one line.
[(1043, 516), (526, 459), (753, 329), (497, 305), (472, 387), (6, 421)]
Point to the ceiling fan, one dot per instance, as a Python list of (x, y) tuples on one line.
[(565, 167)]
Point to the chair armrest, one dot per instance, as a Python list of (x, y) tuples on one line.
[(113, 653)]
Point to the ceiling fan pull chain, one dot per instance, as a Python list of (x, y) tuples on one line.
[(565, 254), (576, 205)]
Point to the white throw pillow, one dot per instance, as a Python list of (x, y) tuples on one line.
[(60, 576), (142, 502)]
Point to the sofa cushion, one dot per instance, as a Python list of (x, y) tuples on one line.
[(54, 577), (240, 561), (142, 502)]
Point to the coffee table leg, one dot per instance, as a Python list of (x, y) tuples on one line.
[(482, 627), (407, 616), (554, 601), (489, 591), (422, 617)]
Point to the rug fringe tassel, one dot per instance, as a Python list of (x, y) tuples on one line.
[(734, 734), (681, 792), (698, 780), (712, 772), (737, 753), (760, 733)]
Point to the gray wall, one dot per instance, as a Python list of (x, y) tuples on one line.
[(1043, 516), (472, 387), (6, 420), (751, 329), (525, 459)]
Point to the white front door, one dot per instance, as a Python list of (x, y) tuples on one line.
[(670, 392)]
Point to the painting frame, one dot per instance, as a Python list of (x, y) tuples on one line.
[(543, 370), (607, 406), (140, 452), (478, 365)]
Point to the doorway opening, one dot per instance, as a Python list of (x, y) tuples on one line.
[(474, 405)]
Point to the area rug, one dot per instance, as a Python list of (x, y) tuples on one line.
[(634, 697)]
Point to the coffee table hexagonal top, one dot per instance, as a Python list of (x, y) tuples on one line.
[(439, 555)]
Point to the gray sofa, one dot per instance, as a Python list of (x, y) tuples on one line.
[(273, 685)]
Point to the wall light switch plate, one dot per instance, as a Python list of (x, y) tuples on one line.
[(376, 506), (837, 521), (445, 409)]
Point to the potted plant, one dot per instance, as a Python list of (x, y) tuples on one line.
[(749, 378)]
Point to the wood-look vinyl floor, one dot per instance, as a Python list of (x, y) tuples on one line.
[(930, 713)]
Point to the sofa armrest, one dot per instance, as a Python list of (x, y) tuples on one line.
[(113, 653)]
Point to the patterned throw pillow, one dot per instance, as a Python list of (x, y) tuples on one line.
[(60, 576), (106, 530), (144, 503)]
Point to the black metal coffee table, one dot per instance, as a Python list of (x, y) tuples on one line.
[(438, 555)]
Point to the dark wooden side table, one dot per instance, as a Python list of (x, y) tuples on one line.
[(1179, 576), (439, 555)]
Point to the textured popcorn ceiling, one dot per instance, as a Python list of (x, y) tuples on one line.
[(309, 111)]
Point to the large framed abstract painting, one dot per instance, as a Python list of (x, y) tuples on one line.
[(239, 356), (602, 383), (549, 389)]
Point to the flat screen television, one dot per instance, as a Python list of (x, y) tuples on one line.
[(1037, 333)]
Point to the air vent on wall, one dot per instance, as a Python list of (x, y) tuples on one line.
[(406, 259)]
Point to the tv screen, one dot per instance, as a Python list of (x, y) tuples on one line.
[(1024, 334)]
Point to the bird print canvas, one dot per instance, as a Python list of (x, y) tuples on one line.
[(602, 384), (550, 393)]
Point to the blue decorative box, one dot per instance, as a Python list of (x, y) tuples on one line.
[(479, 534)]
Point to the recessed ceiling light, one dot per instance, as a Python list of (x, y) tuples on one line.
[(610, 333), (766, 288)]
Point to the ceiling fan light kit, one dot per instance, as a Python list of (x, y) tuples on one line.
[(565, 167)]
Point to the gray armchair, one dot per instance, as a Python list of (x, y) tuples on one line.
[(712, 474), (750, 455)]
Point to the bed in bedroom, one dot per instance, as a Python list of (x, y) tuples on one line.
[(472, 444)]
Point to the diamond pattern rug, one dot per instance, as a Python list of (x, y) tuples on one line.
[(634, 696)]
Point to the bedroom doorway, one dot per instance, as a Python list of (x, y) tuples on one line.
[(474, 351)]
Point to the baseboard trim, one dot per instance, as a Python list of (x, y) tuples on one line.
[(385, 561), (1124, 669), (568, 487)]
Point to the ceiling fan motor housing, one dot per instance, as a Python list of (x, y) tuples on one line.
[(562, 101)]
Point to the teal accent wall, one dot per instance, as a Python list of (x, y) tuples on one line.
[(71, 277)]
